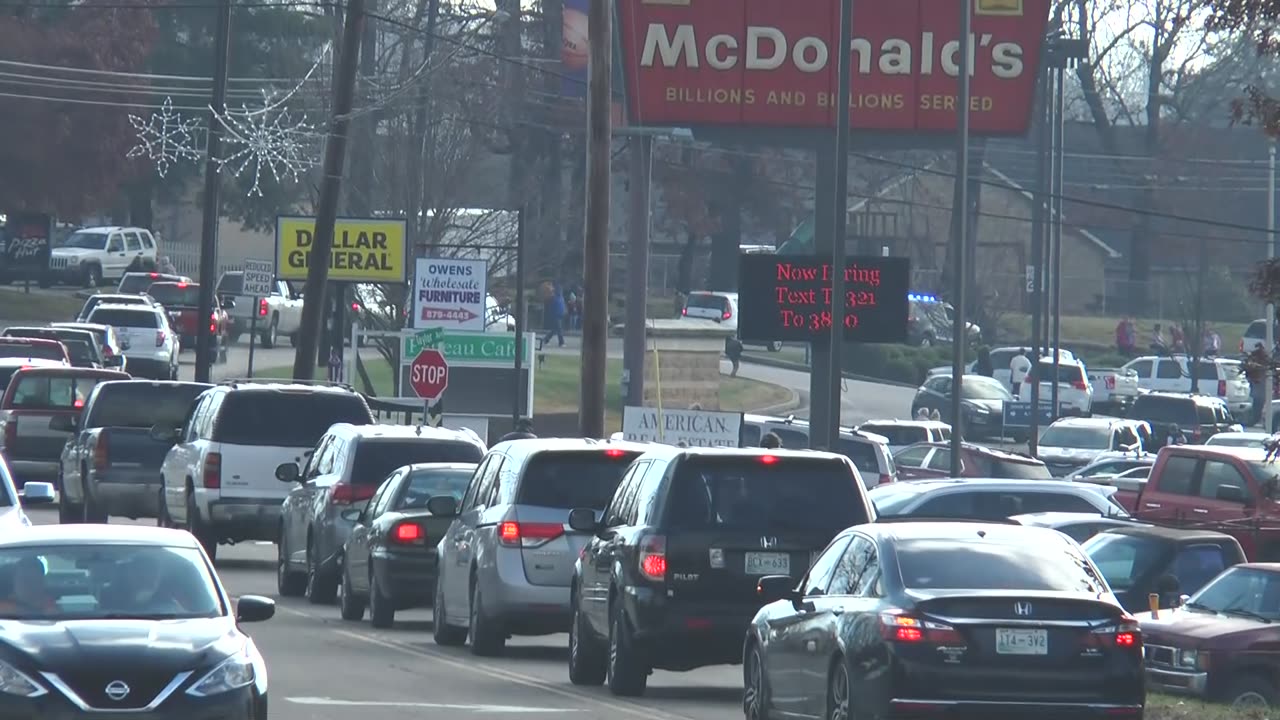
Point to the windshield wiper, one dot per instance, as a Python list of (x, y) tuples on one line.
[(1246, 613), (1197, 606)]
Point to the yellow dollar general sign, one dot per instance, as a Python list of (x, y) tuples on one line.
[(364, 249)]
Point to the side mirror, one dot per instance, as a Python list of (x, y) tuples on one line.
[(583, 520), (229, 304), (1168, 584), (63, 423), (442, 506), (36, 493), (288, 472), (254, 608), (772, 588), (164, 433), (352, 515), (1182, 600)]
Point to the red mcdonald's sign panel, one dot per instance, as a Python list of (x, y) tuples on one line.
[(773, 64)]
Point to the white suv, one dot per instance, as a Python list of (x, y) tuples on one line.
[(1217, 376), (151, 346), (219, 477), (93, 254), (721, 307), (1075, 392)]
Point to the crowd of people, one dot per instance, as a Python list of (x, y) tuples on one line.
[(1158, 342)]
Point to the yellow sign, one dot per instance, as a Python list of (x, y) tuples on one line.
[(364, 249), (999, 7)]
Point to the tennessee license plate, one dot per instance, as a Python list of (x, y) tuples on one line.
[(768, 563), (1011, 641)]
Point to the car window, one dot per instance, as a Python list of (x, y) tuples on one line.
[(378, 503), (707, 301), (85, 240), (230, 284), (1218, 473), (819, 575), (941, 461), (477, 479), (135, 282), (1142, 367), (1196, 565), (1083, 438), (949, 565), (1168, 370), (287, 418), (750, 435), (624, 497), (573, 479), (862, 453), (51, 392), (175, 294), (858, 569), (1068, 374), (950, 505), (898, 434), (1163, 409), (1012, 470), (749, 493), (376, 458), (1178, 475), (141, 405), (81, 352), (422, 485), (1242, 589), (1207, 370), (38, 351), (1123, 559), (132, 243), (1035, 502), (913, 457), (792, 438), (116, 244), (1204, 415), (120, 317)]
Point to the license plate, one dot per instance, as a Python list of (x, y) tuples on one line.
[(1022, 642), (768, 563)]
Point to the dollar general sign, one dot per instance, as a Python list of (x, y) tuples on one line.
[(364, 249)]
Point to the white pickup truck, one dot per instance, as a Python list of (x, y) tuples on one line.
[(279, 313), (1114, 390)]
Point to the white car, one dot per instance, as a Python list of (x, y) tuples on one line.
[(1216, 376), (901, 433), (1113, 464), (1240, 439), (152, 346), (93, 254), (1071, 443), (1000, 360), (1075, 394), (722, 307)]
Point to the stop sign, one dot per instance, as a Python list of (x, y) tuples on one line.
[(429, 374)]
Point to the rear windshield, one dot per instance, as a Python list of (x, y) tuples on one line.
[(51, 392), (139, 282), (703, 300), (175, 294), (1158, 409), (1066, 373), (1125, 559), (893, 499), (426, 484), (1012, 470), (80, 351), (1083, 438), (862, 453), (898, 434), (745, 493), (231, 284), (141, 405), (42, 351), (286, 418), (950, 565), (376, 458), (125, 318), (573, 479)]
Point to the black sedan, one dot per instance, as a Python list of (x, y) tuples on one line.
[(123, 620), (982, 402), (389, 559), (934, 618)]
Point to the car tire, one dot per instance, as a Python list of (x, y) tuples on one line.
[(207, 540), (68, 512), (838, 691), (774, 346), (626, 674), (755, 689), (320, 590), (293, 339), (162, 511), (382, 613), (443, 633), (586, 656), (289, 583), (350, 604), (92, 276), (271, 333), (1251, 692), (486, 639), (92, 513)]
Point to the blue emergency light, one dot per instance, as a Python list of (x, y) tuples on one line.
[(921, 297)]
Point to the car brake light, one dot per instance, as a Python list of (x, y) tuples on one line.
[(900, 627), (1222, 388), (1126, 633), (355, 307), (1111, 383), (100, 461), (684, 311), (768, 459), (212, 477), (348, 494), (727, 314), (529, 535), (155, 275), (410, 533), (213, 324), (614, 453), (159, 338), (653, 558), (182, 285), (1079, 385), (262, 307)]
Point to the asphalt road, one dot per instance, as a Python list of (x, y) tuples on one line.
[(323, 668)]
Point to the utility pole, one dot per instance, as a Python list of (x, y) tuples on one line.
[(1038, 224), (1202, 274), (335, 155), (212, 196), (595, 250), (1059, 155), (835, 383), (960, 222), (1269, 384), (637, 269)]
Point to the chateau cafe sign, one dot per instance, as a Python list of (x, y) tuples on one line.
[(774, 63)]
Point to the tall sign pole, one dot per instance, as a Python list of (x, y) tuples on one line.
[(212, 198), (960, 217), (1269, 383), (637, 269), (840, 236), (595, 251)]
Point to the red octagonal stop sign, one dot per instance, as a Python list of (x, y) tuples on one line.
[(429, 374)]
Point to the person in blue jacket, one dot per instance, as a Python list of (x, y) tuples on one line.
[(555, 311)]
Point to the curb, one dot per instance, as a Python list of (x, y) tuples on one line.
[(793, 403), (801, 367)]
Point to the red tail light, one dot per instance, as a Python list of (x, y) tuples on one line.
[(160, 335), (100, 460), (768, 459), (1242, 346), (78, 404), (727, 314), (182, 285), (614, 453), (409, 533), (1079, 385), (904, 628), (653, 558), (348, 494), (1126, 634), (1110, 382), (155, 275), (529, 535), (107, 353), (355, 307), (262, 307), (212, 477), (684, 311), (1222, 388)]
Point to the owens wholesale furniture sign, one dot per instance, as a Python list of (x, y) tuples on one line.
[(774, 63), (365, 250), (450, 294), (789, 298)]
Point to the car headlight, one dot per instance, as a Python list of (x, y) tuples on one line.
[(15, 682), (233, 673), (73, 260), (1188, 659)]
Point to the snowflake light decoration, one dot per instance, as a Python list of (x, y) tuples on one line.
[(267, 139), (165, 137)]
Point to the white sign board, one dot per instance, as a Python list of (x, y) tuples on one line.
[(450, 293), (695, 428), (259, 278), (1031, 278)]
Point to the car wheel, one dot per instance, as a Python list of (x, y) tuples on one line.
[(626, 675), (1251, 693), (92, 513), (195, 527), (442, 632), (92, 276), (838, 691), (288, 582), (68, 512), (293, 339), (162, 511), (586, 656), (320, 590), (271, 334), (486, 640), (351, 605), (926, 341), (755, 691), (382, 614)]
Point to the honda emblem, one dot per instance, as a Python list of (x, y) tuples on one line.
[(768, 542), (1022, 608)]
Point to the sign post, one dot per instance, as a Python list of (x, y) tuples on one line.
[(256, 283)]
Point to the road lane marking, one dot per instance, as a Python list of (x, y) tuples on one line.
[(331, 702)]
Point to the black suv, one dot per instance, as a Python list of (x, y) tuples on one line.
[(1199, 417), (668, 578)]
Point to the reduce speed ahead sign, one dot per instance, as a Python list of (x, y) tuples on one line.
[(429, 374)]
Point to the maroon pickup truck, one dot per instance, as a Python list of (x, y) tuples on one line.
[(181, 300), (1227, 489)]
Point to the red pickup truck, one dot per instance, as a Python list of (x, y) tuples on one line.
[(1235, 490), (181, 300)]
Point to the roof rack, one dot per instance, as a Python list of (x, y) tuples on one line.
[(233, 382), (929, 518)]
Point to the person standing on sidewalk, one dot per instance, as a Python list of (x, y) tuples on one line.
[(1019, 367), (555, 310)]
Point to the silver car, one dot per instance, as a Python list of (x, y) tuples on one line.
[(507, 560)]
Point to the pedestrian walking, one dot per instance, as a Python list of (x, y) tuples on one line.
[(555, 312), (983, 364), (1019, 367), (733, 351)]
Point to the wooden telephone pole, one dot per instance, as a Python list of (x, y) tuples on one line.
[(595, 253)]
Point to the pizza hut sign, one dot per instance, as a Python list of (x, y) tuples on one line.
[(773, 63)]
